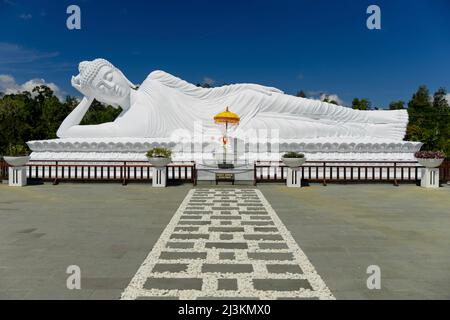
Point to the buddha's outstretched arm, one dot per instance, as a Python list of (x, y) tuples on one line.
[(71, 128)]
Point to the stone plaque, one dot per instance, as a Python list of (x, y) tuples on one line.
[(224, 177)]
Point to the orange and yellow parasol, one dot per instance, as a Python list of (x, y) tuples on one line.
[(229, 119)]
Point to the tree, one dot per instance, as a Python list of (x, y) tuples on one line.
[(100, 113), (397, 105), (440, 99), (37, 115), (204, 85), (429, 120), (361, 104), (301, 94)]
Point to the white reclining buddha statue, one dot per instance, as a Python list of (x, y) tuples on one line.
[(164, 103)]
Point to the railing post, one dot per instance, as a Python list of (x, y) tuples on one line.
[(324, 174), (194, 174), (124, 182), (55, 182), (395, 174), (254, 174)]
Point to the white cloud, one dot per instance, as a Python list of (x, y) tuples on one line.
[(8, 85), (26, 16), (448, 97), (209, 81), (13, 53)]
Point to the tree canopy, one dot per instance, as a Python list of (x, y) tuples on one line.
[(37, 115)]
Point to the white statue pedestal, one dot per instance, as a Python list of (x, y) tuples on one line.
[(159, 178), (430, 178), (17, 176), (294, 178)]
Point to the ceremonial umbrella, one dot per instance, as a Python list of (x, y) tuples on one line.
[(227, 118)]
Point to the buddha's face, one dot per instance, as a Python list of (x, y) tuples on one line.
[(102, 82)]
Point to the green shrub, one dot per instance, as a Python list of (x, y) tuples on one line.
[(159, 153), (17, 150), (293, 154)]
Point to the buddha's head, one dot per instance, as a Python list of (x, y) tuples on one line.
[(101, 80)]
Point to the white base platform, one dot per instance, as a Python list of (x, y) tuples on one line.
[(134, 149)]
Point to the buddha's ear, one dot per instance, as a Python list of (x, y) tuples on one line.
[(128, 81)]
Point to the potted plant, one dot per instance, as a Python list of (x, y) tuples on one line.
[(159, 157), (293, 159), (17, 155), (430, 159)]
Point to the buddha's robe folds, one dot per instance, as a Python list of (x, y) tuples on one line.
[(166, 103)]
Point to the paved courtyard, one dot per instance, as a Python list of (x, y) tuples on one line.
[(137, 241)]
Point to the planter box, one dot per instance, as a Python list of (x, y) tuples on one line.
[(293, 162), (430, 163), (159, 162), (17, 161)]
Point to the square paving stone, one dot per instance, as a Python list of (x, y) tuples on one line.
[(270, 256), (170, 267), (226, 229), (158, 298), (226, 236), (165, 255), (194, 223), (186, 228), (180, 245), (189, 236), (227, 245), (226, 256), (283, 268), (254, 212), (281, 284), (260, 218), (273, 245), (263, 237), (257, 223), (174, 283), (189, 217), (265, 229), (227, 268), (197, 212), (228, 284), (226, 217)]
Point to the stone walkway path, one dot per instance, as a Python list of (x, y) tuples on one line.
[(226, 243)]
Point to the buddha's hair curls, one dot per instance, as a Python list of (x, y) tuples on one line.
[(89, 69)]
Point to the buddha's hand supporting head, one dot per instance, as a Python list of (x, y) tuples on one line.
[(99, 79)]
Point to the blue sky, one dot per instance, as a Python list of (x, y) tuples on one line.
[(314, 45)]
